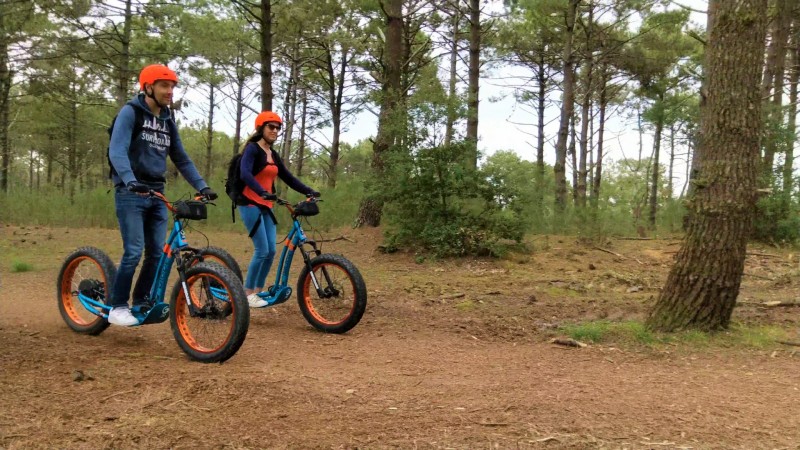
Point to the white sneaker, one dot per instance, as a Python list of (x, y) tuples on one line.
[(255, 301), (121, 315)]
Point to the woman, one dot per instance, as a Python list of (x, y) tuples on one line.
[(260, 165)]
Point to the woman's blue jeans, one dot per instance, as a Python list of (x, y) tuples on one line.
[(263, 243), (143, 226)]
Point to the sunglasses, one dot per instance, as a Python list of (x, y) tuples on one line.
[(274, 127)]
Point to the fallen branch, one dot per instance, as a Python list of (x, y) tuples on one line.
[(616, 254), (635, 239), (770, 304), (568, 343), (340, 238), (793, 344), (610, 252), (778, 303), (769, 255), (114, 395), (758, 276)]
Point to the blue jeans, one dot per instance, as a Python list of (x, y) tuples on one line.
[(263, 244), (143, 225)]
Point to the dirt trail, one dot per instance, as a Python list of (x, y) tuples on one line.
[(449, 355)]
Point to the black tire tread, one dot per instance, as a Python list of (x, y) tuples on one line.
[(241, 311), (109, 272), (360, 293)]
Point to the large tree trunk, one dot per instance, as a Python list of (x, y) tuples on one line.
[(5, 89), (452, 101), (390, 118), (210, 130), (473, 80), (794, 79), (601, 127), (540, 109), (266, 55), (301, 145), (335, 99), (567, 106), (124, 64), (775, 70), (671, 160), (653, 204), (240, 81), (586, 106), (702, 287)]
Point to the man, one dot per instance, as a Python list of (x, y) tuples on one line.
[(144, 134)]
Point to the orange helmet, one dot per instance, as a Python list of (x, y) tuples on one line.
[(267, 116), (155, 72)]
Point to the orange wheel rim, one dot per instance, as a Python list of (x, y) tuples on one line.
[(73, 306), (183, 319), (309, 290)]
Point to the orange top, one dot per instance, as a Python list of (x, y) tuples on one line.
[(266, 178)]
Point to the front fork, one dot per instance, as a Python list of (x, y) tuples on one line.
[(323, 293), (181, 265)]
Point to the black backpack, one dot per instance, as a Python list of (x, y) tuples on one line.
[(138, 124), (234, 184)]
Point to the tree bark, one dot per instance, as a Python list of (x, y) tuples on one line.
[(601, 127), (702, 287), (794, 79), (5, 89), (452, 101), (540, 110), (653, 203), (586, 106), (240, 82), (390, 118), (567, 107), (210, 130), (775, 70), (301, 146), (266, 55), (124, 65), (473, 80)]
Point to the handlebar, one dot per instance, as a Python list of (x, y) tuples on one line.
[(171, 205), (291, 207)]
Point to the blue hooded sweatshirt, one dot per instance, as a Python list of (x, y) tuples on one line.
[(145, 158)]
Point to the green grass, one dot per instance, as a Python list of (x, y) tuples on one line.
[(21, 266), (635, 333)]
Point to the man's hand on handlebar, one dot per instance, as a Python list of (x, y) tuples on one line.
[(209, 194), (139, 188)]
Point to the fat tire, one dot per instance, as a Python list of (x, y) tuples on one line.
[(63, 288), (223, 257), (305, 299), (240, 313)]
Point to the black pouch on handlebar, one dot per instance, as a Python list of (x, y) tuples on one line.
[(306, 209), (190, 209)]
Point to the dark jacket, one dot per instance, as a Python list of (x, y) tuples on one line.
[(254, 160), (145, 159)]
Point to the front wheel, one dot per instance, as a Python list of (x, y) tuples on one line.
[(211, 324), (336, 303), (83, 286)]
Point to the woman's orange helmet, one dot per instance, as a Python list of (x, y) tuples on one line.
[(267, 116), (155, 72)]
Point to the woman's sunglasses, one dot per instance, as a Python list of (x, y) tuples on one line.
[(274, 127)]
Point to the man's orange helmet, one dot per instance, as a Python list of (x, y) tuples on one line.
[(155, 72), (267, 116)]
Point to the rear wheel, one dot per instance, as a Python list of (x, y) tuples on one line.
[(222, 257), (212, 324), (342, 299), (87, 274)]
